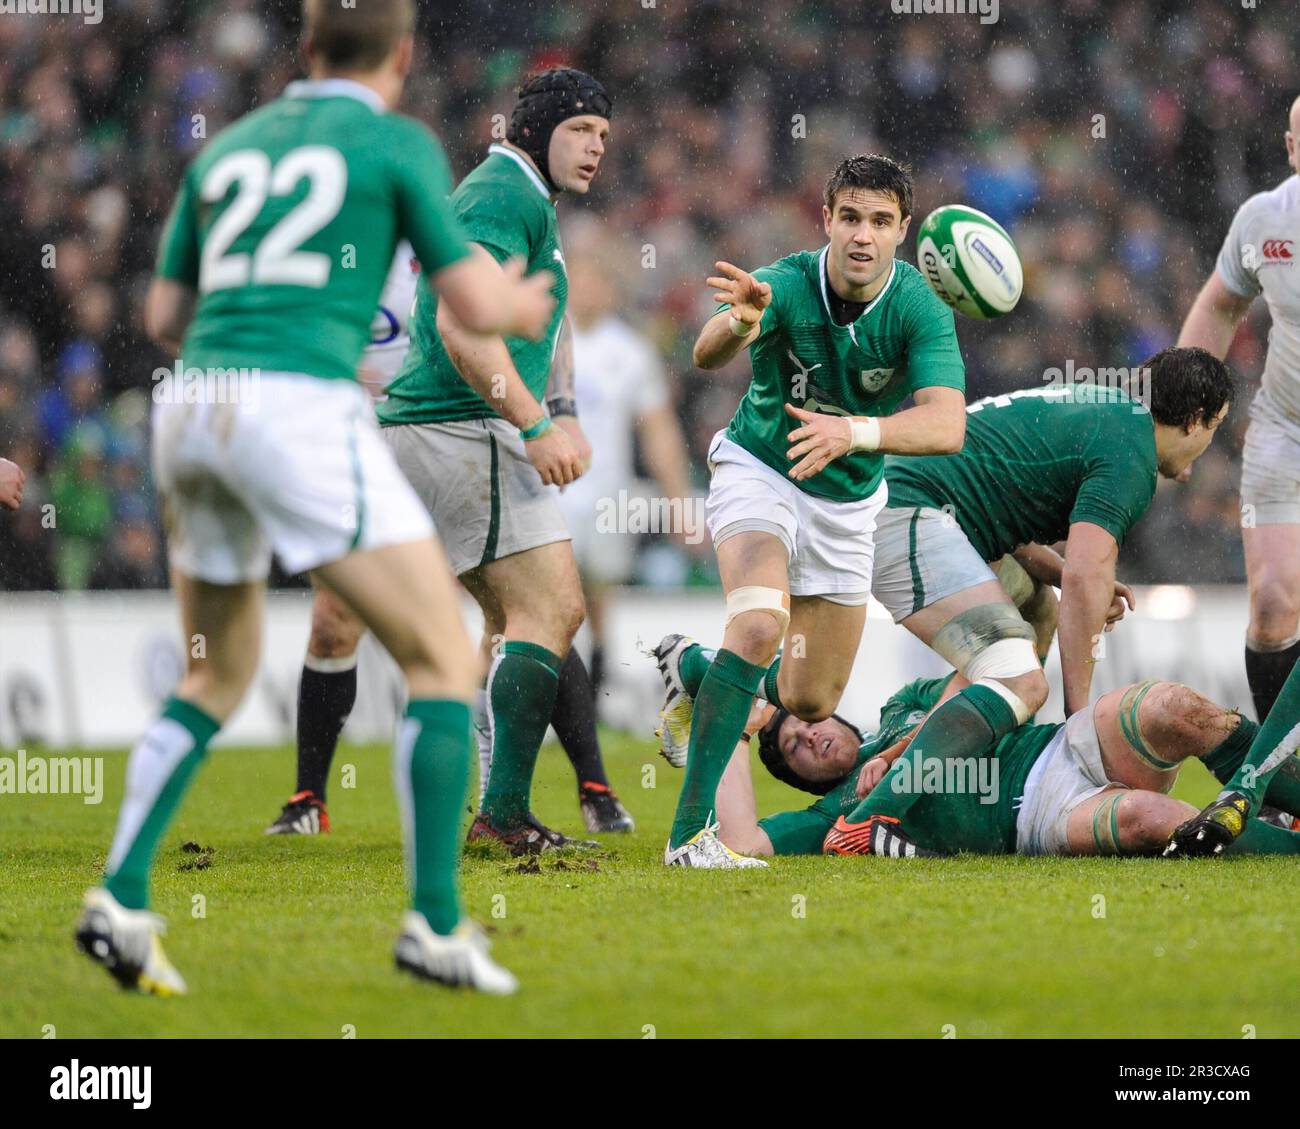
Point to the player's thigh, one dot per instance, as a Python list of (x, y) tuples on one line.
[(1122, 821), (539, 592), (978, 628), (223, 640), (820, 646), (923, 558), (406, 595), (336, 630), (1146, 730), (1273, 576)]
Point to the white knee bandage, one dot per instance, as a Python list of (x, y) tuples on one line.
[(1008, 695), (755, 598)]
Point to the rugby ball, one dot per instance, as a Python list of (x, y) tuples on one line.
[(969, 261)]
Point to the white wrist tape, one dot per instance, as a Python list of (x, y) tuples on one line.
[(864, 434), (739, 328)]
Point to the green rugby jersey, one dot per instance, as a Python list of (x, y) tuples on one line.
[(286, 225), (505, 206), (1036, 461), (938, 821), (951, 822), (904, 340), (802, 832)]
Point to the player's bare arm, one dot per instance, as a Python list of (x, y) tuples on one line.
[(561, 396), (484, 363), (168, 310), (1212, 322), (488, 297), (664, 449), (1087, 589), (935, 426), (721, 339), (736, 809), (1045, 564)]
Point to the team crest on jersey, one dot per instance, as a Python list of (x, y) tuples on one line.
[(874, 379)]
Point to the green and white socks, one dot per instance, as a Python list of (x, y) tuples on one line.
[(157, 775), (431, 760)]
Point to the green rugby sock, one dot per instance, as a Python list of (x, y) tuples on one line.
[(1227, 757), (770, 692), (695, 664), (968, 725), (721, 709), (157, 775), (1274, 746), (521, 698), (1260, 838), (431, 760)]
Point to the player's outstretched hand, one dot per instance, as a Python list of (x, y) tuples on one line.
[(554, 455), (822, 437), (534, 302), (12, 481), (748, 297)]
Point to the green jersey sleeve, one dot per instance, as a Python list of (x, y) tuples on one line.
[(505, 226), (1117, 487), (178, 253), (933, 355), (424, 212)]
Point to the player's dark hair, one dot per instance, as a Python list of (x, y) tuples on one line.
[(356, 38), (1186, 386), (875, 172), (769, 752)]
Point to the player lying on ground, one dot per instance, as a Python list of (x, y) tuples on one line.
[(1095, 785), (1078, 463), (247, 276), (837, 339)]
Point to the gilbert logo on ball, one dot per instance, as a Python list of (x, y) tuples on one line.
[(969, 261)]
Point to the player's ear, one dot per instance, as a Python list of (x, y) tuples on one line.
[(902, 228), (403, 55), (826, 219)]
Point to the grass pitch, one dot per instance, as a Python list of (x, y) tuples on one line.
[(297, 933)]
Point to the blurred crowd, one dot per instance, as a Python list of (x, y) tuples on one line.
[(1114, 140)]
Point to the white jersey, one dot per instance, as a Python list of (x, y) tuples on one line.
[(617, 376), (1261, 254), (390, 335)]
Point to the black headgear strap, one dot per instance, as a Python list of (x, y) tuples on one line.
[(546, 100)]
